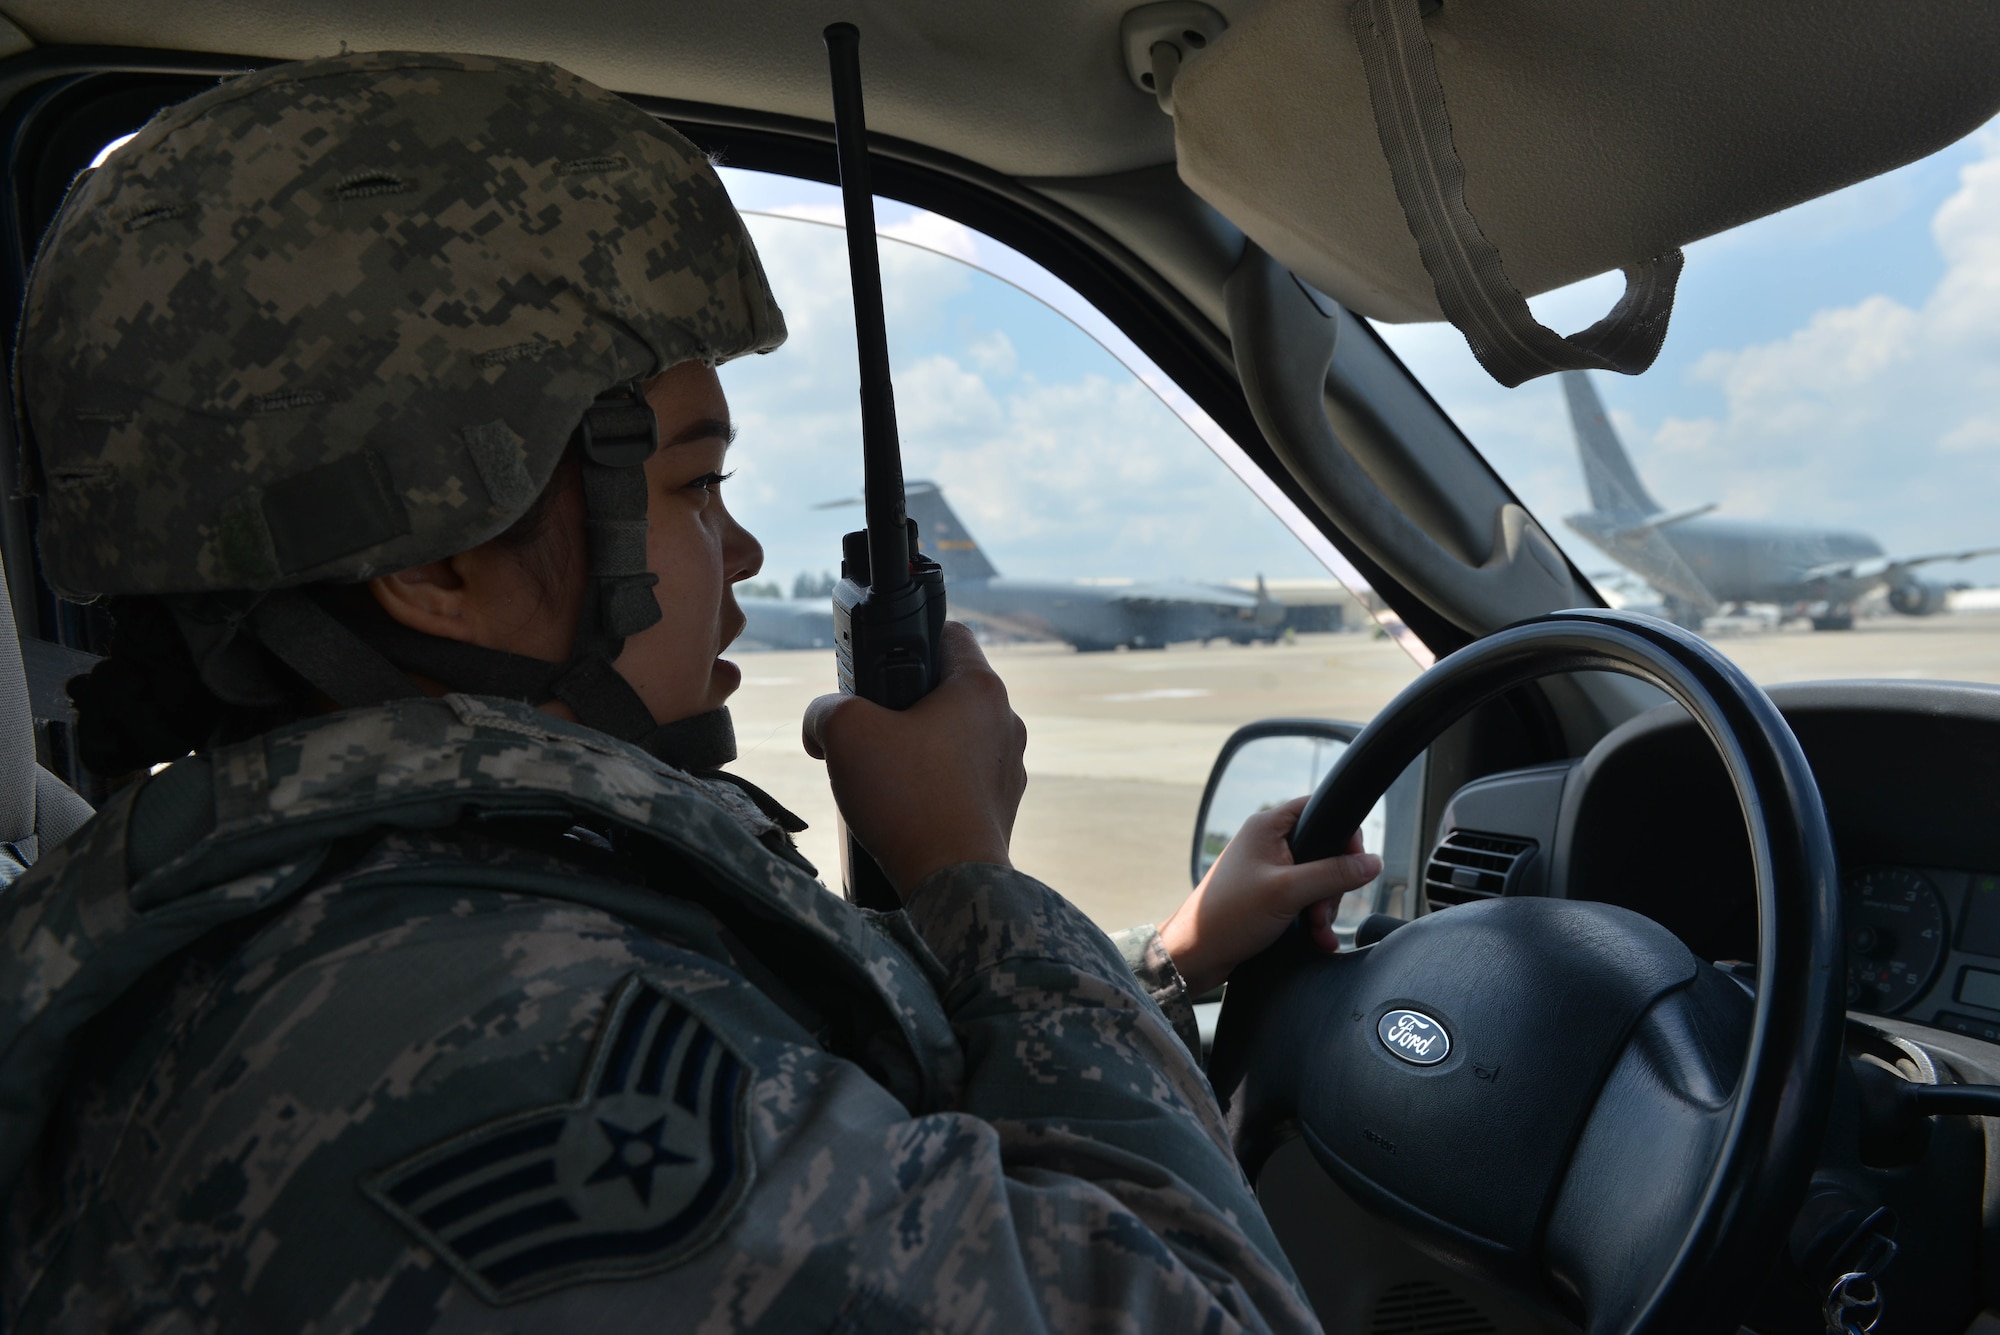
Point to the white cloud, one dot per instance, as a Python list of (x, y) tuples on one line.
[(1967, 303), (1872, 411), (939, 399), (934, 231), (1974, 433), (994, 354)]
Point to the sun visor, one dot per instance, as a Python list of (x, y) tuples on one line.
[(1593, 137)]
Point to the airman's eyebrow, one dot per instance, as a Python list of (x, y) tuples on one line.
[(705, 428)]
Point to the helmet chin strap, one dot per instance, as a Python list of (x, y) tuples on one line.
[(361, 657)]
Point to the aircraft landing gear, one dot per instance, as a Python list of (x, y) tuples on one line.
[(1685, 615), (1834, 618)]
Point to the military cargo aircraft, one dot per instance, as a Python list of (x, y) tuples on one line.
[(786, 623), (1093, 615), (1700, 562)]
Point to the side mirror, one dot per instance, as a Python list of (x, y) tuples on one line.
[(1270, 762)]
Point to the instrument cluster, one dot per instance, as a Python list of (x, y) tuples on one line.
[(1925, 941)]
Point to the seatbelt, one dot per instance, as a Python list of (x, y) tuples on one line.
[(1472, 286), (17, 738)]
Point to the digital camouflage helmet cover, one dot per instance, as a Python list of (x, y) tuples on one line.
[(340, 317)]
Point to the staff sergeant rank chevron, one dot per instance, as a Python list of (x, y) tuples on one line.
[(644, 1168)]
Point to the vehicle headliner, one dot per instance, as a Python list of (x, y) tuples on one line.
[(1031, 88), (1593, 137)]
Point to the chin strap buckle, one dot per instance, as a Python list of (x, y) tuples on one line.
[(619, 430)]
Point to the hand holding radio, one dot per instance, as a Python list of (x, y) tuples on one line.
[(933, 785)]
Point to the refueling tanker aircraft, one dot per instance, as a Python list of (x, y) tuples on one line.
[(1092, 615), (1701, 563)]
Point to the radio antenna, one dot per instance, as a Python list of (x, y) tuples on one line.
[(881, 449), (888, 609)]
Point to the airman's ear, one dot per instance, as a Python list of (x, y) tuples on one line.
[(430, 598)]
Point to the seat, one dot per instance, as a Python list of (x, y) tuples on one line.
[(37, 810)]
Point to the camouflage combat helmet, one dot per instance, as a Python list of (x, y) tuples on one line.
[(341, 317)]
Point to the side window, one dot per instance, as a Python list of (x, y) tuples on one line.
[(1139, 598)]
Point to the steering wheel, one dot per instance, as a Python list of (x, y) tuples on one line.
[(1555, 1095)]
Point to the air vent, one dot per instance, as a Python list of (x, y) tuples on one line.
[(1468, 865), (1420, 1307)]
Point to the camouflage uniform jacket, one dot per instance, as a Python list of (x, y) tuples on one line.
[(338, 1031)]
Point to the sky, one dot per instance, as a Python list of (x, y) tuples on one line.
[(1837, 363), (1063, 450)]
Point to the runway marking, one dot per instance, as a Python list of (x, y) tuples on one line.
[(1163, 693)]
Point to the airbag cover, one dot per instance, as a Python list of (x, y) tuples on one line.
[(1537, 998)]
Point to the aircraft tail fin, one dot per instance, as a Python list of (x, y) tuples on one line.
[(1614, 485), (942, 537)]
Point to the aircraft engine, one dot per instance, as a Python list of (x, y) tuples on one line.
[(1916, 598)]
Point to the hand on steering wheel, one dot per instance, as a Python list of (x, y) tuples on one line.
[(1253, 891), (1554, 1094)]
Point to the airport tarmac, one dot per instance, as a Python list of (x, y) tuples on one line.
[(1120, 744)]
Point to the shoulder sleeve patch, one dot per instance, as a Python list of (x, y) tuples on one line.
[(644, 1169)]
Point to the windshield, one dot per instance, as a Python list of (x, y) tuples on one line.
[(1818, 440)]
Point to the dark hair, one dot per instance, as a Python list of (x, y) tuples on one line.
[(549, 559), (146, 702)]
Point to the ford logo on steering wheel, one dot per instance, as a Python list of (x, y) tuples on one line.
[(1415, 1037)]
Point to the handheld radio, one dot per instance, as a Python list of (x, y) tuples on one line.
[(888, 609)]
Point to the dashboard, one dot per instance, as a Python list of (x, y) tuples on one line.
[(1909, 772)]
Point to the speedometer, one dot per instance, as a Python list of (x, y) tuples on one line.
[(1895, 937)]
